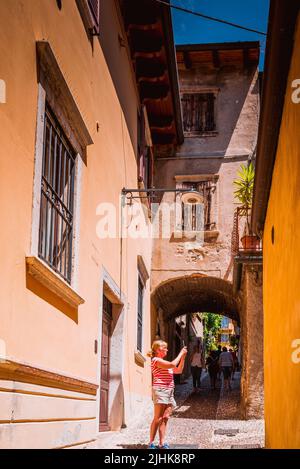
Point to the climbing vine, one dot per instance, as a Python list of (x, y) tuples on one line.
[(212, 324)]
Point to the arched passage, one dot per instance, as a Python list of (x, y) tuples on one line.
[(196, 293), (200, 293), (182, 296)]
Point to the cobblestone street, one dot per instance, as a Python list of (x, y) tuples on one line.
[(208, 419)]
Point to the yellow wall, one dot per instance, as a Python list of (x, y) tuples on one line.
[(282, 279), (36, 332)]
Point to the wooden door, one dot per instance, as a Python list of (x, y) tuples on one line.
[(104, 385)]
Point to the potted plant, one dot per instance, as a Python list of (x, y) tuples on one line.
[(244, 194)]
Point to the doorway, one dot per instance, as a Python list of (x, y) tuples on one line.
[(105, 364)]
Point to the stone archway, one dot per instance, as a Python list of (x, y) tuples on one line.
[(195, 293), (200, 293)]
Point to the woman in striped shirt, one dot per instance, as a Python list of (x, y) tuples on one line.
[(163, 388)]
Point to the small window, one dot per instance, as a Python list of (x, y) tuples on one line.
[(225, 323), (57, 198), (198, 111), (206, 189), (224, 338), (140, 315)]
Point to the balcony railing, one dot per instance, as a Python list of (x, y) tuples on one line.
[(242, 244)]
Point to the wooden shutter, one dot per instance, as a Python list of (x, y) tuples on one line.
[(210, 117), (198, 112)]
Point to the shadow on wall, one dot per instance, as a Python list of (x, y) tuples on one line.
[(116, 413), (42, 292), (234, 88)]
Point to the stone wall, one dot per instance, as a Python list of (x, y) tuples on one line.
[(252, 383), (216, 157)]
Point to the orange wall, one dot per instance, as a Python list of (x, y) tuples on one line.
[(282, 279), (34, 331)]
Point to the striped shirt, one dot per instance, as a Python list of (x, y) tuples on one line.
[(161, 378)]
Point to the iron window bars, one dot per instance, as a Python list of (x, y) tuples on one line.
[(57, 198)]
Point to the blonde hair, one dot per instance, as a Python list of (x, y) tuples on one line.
[(155, 346)]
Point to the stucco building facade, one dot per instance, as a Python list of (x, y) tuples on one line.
[(194, 269), (75, 305)]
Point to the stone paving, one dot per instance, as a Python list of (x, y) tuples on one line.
[(209, 419)]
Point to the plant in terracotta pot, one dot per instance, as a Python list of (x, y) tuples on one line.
[(244, 193)]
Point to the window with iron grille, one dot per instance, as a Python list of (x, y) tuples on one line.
[(57, 198), (198, 111), (206, 189), (140, 315)]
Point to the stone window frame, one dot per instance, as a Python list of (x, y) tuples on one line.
[(197, 178), (53, 89), (203, 90)]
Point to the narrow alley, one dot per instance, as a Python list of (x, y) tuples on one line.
[(204, 420), (149, 207)]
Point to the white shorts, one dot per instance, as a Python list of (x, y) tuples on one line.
[(163, 396)]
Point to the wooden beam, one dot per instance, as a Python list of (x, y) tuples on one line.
[(163, 138), (246, 58), (150, 68), (218, 46), (160, 121), (153, 90), (216, 59), (145, 27), (187, 60)]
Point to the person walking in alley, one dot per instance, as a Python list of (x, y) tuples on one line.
[(234, 357), (163, 389), (196, 367), (218, 353), (212, 368), (226, 365)]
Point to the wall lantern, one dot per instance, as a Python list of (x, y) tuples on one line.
[(188, 197)]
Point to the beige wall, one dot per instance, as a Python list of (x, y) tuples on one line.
[(236, 106), (237, 111), (36, 332), (174, 257), (114, 48)]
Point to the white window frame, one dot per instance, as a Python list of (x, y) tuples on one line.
[(37, 182)]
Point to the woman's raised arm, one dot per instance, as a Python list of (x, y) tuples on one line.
[(165, 364)]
